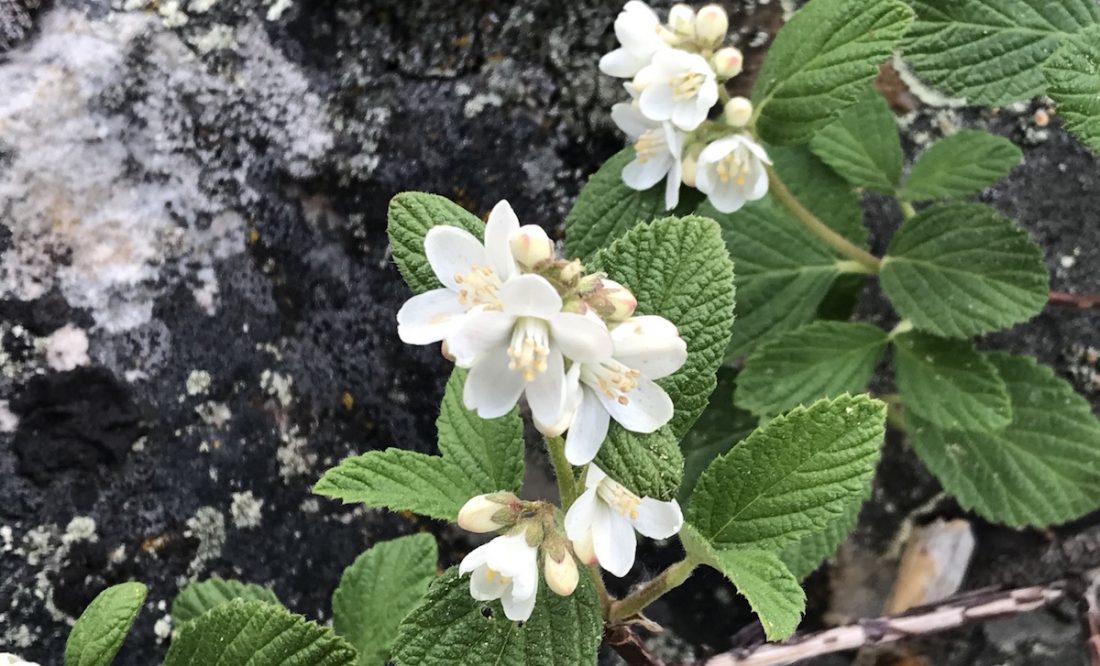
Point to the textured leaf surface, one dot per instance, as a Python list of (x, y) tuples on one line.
[(479, 456), (949, 384), (720, 426), (197, 598), (990, 51), (1042, 469), (651, 465), (1073, 82), (378, 590), (790, 476), (823, 359), (960, 165), (804, 556), (821, 62), (960, 270), (411, 215), (101, 629), (862, 145), (450, 628), (255, 633)]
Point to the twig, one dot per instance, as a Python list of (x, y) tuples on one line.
[(1079, 301), (631, 648)]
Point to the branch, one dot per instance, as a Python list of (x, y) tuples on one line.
[(1079, 301), (624, 641)]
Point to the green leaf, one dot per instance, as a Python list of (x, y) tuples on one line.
[(411, 215), (1073, 82), (804, 556), (821, 62), (1041, 469), (949, 384), (990, 51), (378, 590), (960, 165), (720, 426), (862, 145), (650, 465), (450, 628), (198, 598), (960, 270), (101, 629), (791, 475), (246, 632), (479, 456), (820, 360)]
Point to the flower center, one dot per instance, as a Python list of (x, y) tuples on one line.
[(733, 167), (490, 575), (685, 85), (478, 287), (619, 498), (529, 347), (650, 144), (612, 378)]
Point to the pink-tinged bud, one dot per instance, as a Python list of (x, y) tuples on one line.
[(727, 62), (561, 576), (681, 18), (488, 513), (571, 271), (711, 24), (531, 246), (612, 301), (584, 548), (738, 112)]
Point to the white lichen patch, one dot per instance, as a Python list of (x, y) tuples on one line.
[(201, 6), (218, 37), (293, 455), (80, 528), (478, 103), (277, 8), (163, 628), (208, 526), (67, 348), (9, 421), (246, 510), (198, 382), (278, 386), (212, 413)]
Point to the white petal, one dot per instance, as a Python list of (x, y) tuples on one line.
[(428, 317), (648, 407), (452, 251), (530, 295), (584, 549), (636, 27), (571, 401), (478, 332), (579, 517), (621, 64), (588, 430), (716, 150), (658, 520), (474, 559), (672, 185), (525, 581), (517, 608), (657, 101), (687, 115), (756, 149), (630, 120), (486, 585), (614, 541), (593, 476), (511, 556), (492, 389), (650, 344), (498, 231), (706, 178), (759, 186), (727, 197), (580, 337), (546, 392), (639, 175)]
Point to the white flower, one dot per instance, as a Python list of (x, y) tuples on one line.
[(606, 516), (639, 32), (506, 568), (622, 387), (657, 148), (731, 172), (9, 659), (677, 86)]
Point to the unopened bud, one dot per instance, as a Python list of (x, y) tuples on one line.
[(727, 62), (561, 575), (612, 301), (531, 246), (711, 24), (571, 271), (738, 112), (584, 548), (681, 18), (689, 164), (488, 513)]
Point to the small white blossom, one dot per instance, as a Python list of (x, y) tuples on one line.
[(681, 19), (657, 148), (9, 659), (506, 568), (711, 24), (731, 172), (602, 521), (677, 86), (639, 32)]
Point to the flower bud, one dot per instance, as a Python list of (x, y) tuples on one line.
[(584, 548), (727, 62), (612, 301), (531, 246), (711, 24), (561, 575), (690, 163), (488, 513), (738, 112), (571, 271), (681, 18)]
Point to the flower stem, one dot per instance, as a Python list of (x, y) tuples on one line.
[(668, 579), (567, 485), (605, 598), (817, 227)]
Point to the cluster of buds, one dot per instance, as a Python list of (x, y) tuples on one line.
[(677, 73)]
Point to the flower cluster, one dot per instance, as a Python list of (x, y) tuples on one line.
[(9, 659), (677, 74)]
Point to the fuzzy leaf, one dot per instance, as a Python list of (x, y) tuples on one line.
[(1041, 469), (790, 476), (990, 51), (862, 145), (101, 629), (960, 165), (820, 360), (378, 590), (960, 270), (255, 633), (1073, 82), (411, 215), (198, 598), (451, 628), (821, 62), (720, 426), (651, 465), (804, 556)]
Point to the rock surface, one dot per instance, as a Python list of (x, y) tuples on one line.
[(195, 193)]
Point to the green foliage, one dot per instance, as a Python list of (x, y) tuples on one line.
[(479, 456), (960, 165), (101, 629), (720, 426), (862, 145), (1041, 469), (246, 632), (960, 270), (378, 590), (651, 465), (949, 384), (449, 628), (821, 62), (1073, 82), (824, 359), (411, 215), (990, 51), (202, 596), (791, 475), (804, 556)]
